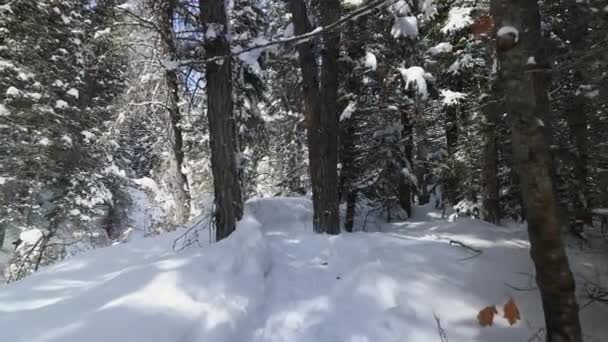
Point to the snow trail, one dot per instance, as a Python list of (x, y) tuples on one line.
[(274, 280)]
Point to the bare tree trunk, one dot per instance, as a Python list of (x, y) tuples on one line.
[(451, 134), (347, 174), (2, 233), (576, 116), (518, 38), (421, 152), (181, 189), (405, 186), (327, 124), (490, 210), (222, 122), (577, 109), (321, 116)]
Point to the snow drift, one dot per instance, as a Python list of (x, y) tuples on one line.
[(273, 280)]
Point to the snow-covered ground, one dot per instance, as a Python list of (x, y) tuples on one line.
[(273, 280)]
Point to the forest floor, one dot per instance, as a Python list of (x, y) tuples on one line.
[(274, 280)]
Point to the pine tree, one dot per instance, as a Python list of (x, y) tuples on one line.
[(222, 122), (518, 38)]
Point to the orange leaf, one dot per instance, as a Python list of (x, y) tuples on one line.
[(486, 315), (511, 311)]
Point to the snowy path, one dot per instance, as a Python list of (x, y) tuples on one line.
[(275, 281)]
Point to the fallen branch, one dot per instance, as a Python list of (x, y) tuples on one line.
[(191, 235), (477, 252), (536, 336), (516, 288), (595, 294), (442, 334)]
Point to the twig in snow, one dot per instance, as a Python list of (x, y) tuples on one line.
[(594, 293), (442, 334), (516, 288), (191, 235), (536, 336), (465, 246)]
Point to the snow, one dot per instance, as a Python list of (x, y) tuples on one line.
[(101, 33), (451, 98), (24, 77), (252, 57), (427, 9), (444, 47), (44, 141), (213, 31), (12, 92), (416, 76), (458, 18), (126, 6), (60, 104), (67, 139), (170, 65), (30, 237), (273, 280), (88, 136), (4, 64), (406, 27), (73, 92), (508, 30), (4, 111), (370, 61), (35, 96), (592, 94), (354, 3), (465, 61), (348, 111), (600, 211)]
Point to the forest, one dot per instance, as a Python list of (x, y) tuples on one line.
[(303, 170)]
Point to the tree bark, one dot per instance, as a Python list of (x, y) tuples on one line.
[(577, 110), (327, 185), (405, 186), (490, 209), (222, 122), (169, 50), (451, 134), (421, 166), (576, 116), (321, 116), (533, 162), (347, 174)]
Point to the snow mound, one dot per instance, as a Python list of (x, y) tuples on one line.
[(281, 212), (273, 280)]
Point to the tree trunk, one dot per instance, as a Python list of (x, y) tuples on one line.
[(321, 116), (577, 109), (2, 233), (576, 116), (405, 186), (451, 134), (351, 203), (222, 122), (327, 125), (490, 210), (518, 22), (421, 166), (181, 190), (348, 172)]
